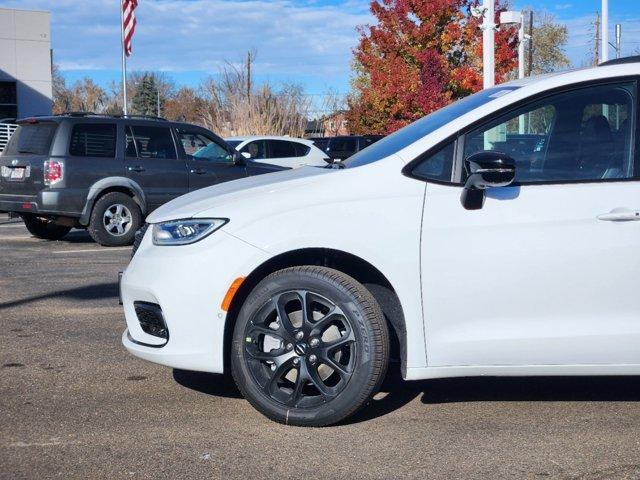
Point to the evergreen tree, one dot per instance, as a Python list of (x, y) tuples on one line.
[(145, 98)]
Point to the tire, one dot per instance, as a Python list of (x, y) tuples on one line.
[(124, 212), (348, 332), (41, 227)]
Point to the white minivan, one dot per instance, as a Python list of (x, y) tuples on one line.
[(497, 236)]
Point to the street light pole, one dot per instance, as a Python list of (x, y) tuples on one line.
[(605, 32), (488, 44), (521, 47)]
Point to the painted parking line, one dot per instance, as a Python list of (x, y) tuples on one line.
[(11, 225), (94, 250)]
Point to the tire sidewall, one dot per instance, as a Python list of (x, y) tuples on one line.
[(96, 226), (359, 386)]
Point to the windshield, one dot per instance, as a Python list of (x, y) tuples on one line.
[(234, 143), (34, 139), (423, 127)]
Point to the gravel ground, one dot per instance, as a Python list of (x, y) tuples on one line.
[(74, 404)]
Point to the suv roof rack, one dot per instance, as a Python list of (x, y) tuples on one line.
[(144, 117), (93, 114), (78, 114), (621, 61)]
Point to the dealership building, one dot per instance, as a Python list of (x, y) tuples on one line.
[(25, 63)]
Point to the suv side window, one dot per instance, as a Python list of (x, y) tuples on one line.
[(201, 147), (150, 142), (257, 149), (281, 149), (93, 140), (343, 145), (579, 135)]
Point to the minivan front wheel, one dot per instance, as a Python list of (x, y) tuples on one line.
[(310, 346), (42, 227), (114, 220)]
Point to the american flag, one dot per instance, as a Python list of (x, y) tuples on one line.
[(129, 23)]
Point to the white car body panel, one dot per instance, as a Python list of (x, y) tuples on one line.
[(464, 278), (315, 157)]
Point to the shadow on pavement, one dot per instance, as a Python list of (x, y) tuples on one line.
[(90, 292), (77, 236), (396, 393), (209, 383)]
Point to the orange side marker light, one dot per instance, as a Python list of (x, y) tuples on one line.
[(233, 289)]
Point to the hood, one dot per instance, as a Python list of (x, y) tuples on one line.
[(232, 192)]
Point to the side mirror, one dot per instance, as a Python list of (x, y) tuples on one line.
[(239, 159), (246, 155), (485, 170)]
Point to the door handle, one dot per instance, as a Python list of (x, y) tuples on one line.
[(621, 215), (136, 168), (198, 171)]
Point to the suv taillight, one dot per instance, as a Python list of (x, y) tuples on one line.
[(53, 172)]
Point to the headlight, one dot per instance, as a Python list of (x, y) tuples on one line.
[(184, 232)]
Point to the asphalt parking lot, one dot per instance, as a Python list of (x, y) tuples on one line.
[(74, 404)]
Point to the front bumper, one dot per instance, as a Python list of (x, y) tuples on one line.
[(188, 283)]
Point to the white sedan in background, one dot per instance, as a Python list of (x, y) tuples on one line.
[(282, 151), (497, 236)]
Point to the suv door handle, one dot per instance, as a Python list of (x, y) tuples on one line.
[(621, 215), (136, 168), (198, 171)]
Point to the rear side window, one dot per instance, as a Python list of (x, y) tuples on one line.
[(93, 140), (281, 149), (302, 149), (34, 139), (150, 142)]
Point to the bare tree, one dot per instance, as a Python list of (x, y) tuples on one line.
[(333, 104), (233, 106)]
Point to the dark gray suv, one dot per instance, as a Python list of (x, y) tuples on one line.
[(106, 173)]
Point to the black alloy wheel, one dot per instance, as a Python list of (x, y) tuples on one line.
[(310, 346)]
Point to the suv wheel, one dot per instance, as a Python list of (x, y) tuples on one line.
[(310, 346), (114, 220), (44, 228)]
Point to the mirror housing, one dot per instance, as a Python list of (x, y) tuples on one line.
[(487, 169), (239, 159), (246, 155)]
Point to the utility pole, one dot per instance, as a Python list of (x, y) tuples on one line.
[(618, 39), (596, 57), (605, 31), (158, 101), (249, 77), (530, 68)]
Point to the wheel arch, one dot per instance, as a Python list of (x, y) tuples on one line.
[(113, 184), (361, 270)]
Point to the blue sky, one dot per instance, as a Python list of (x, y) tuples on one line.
[(302, 41)]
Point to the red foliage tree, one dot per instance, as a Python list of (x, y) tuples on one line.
[(421, 56)]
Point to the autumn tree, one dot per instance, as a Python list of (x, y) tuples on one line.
[(419, 57), (185, 105)]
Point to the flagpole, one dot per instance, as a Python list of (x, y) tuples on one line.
[(125, 109)]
